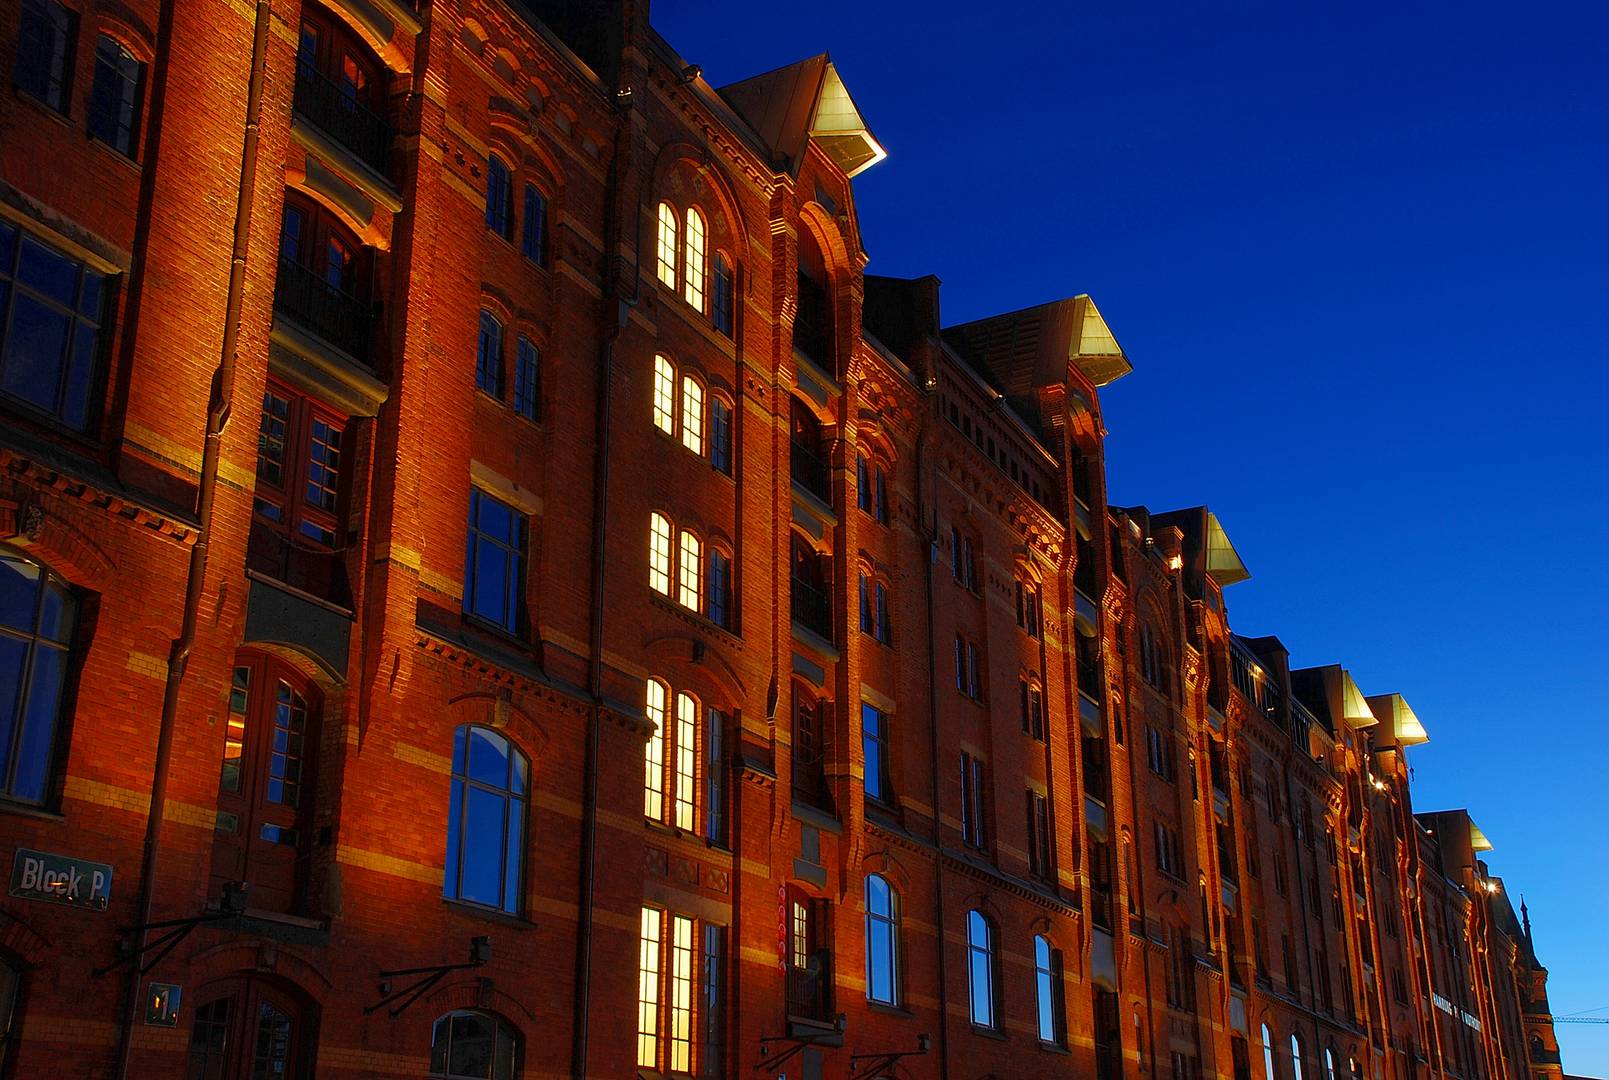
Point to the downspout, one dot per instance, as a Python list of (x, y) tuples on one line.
[(612, 319), (930, 537), (223, 386)]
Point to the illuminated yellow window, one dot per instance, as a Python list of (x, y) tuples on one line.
[(801, 935), (659, 553), (664, 395), (648, 991), (693, 272), (692, 415), (686, 755), (681, 994), (653, 805), (667, 244), (692, 592)]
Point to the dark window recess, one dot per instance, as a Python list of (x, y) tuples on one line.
[(499, 198), (44, 52), (534, 238), (812, 325), (812, 719), (973, 801), (715, 773), (721, 436), (719, 605), (489, 356), (340, 88), (807, 457), (319, 282), (52, 308), (810, 601), (38, 616), (494, 562), (810, 968), (298, 535), (114, 98), (527, 380), (721, 302), (467, 1045), (1040, 848)]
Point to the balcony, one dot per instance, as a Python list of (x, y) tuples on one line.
[(809, 471), (812, 608), (1089, 715), (334, 315), (810, 989), (1081, 518), (332, 107)]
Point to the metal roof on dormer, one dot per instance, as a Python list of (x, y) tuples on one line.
[(1223, 561), (1024, 350), (802, 102), (1401, 726)]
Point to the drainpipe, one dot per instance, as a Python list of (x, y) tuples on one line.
[(223, 386), (613, 316), (930, 537)]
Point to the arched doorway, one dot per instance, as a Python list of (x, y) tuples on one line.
[(245, 1028)]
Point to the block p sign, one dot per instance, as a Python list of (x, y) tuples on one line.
[(61, 879)]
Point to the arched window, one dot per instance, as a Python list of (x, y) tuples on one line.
[(659, 553), (469, 1045), (664, 395), (665, 248), (486, 819), (114, 99), (691, 572), (686, 759), (721, 435), (1329, 1064), (693, 270), (692, 414), (981, 969), (265, 787), (882, 941), (247, 1027), (489, 355), (654, 773), (534, 238), (499, 198), (1048, 977), (1296, 1056), (527, 379), (37, 616), (1268, 1054)]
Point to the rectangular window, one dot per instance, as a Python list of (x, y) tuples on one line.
[(960, 663), (1158, 753), (874, 742), (534, 241), (692, 415), (299, 467), (712, 1032), (686, 759), (114, 98), (721, 302), (1039, 845), (1169, 850), (1032, 706), (692, 593), (654, 757), (879, 496), (44, 52), (681, 993), (659, 548), (664, 395), (974, 682), (494, 563), (51, 316), (648, 990), (527, 380), (720, 589), (489, 356), (715, 776), (499, 198), (883, 627), (866, 622), (721, 436), (973, 833), (863, 484)]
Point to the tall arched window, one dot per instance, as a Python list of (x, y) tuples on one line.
[(721, 307), (691, 572), (665, 248), (265, 786), (981, 968), (1296, 1056), (686, 759), (659, 548), (693, 269), (486, 819), (1268, 1054), (37, 616), (882, 941), (654, 776), (664, 395), (692, 414), (114, 99), (1329, 1064), (470, 1045), (1048, 982), (499, 198)]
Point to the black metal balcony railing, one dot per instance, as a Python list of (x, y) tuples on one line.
[(1100, 907), (1084, 574), (333, 107), (1089, 676), (810, 988), (810, 322), (339, 317), (809, 471), (812, 608)]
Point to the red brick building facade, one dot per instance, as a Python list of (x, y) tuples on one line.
[(492, 588)]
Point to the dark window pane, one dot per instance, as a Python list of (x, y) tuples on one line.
[(488, 758), (48, 272), (13, 656), (454, 833), (483, 848), (19, 592), (42, 696), (35, 349)]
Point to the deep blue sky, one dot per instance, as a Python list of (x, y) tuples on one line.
[(1359, 257)]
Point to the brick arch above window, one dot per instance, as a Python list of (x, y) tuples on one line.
[(496, 711), (125, 27)]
